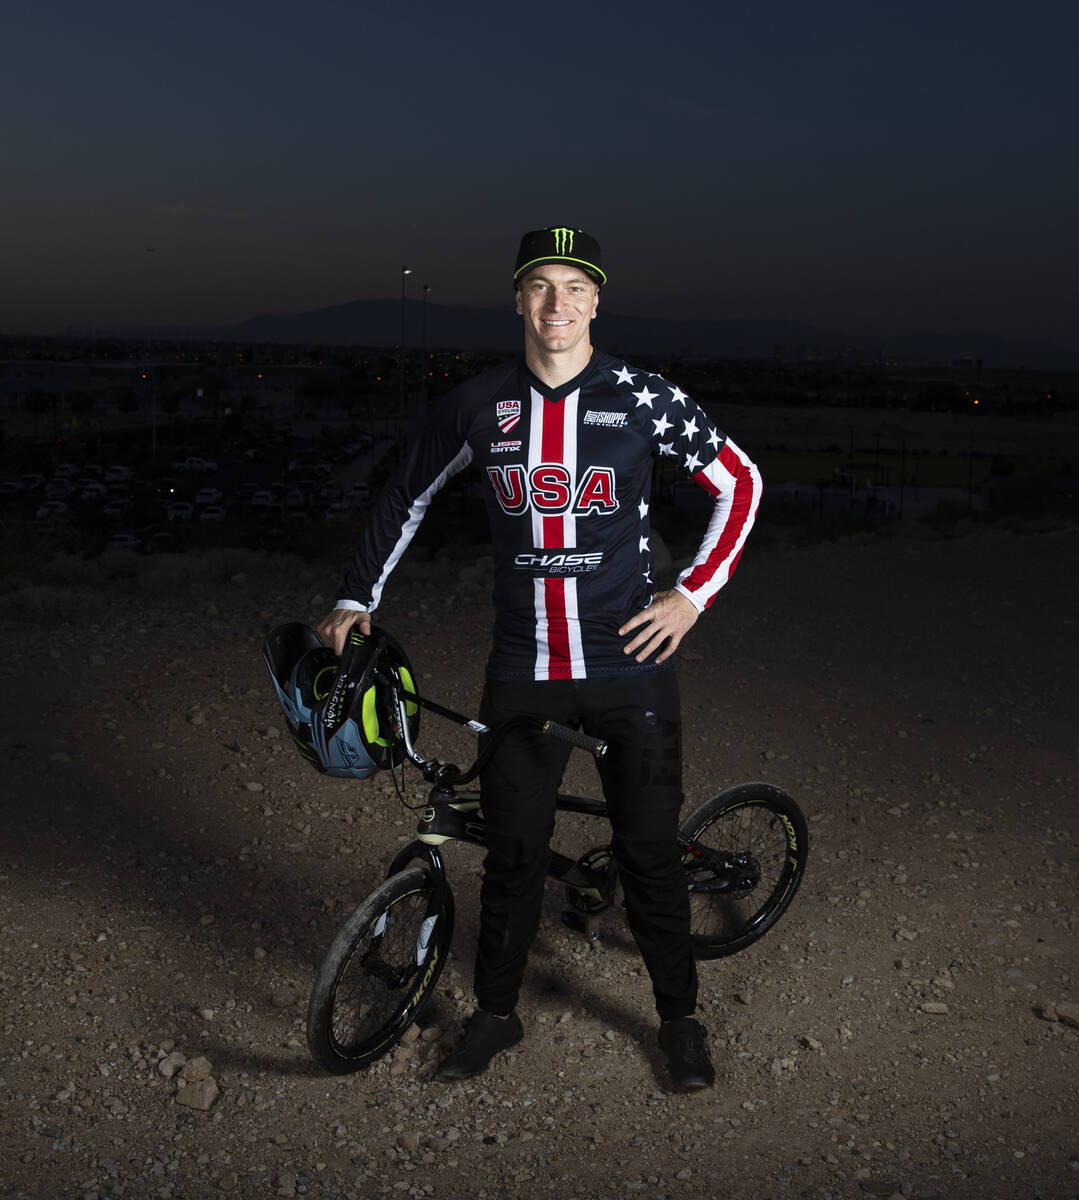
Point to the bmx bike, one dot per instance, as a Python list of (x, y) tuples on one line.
[(743, 851)]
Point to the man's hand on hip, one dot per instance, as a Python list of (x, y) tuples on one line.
[(668, 619), (334, 629)]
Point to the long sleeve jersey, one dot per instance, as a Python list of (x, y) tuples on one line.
[(569, 474)]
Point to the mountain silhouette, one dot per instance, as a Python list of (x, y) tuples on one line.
[(377, 323)]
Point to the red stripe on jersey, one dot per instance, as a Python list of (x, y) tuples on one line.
[(552, 450), (740, 512), (558, 650)]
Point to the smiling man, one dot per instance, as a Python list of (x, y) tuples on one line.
[(566, 437)]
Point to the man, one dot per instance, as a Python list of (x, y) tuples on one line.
[(566, 437)]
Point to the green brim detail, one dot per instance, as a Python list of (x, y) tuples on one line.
[(547, 258)]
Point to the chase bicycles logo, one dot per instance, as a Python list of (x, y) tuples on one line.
[(563, 241)]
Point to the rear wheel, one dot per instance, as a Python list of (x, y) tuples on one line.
[(380, 971), (744, 853)]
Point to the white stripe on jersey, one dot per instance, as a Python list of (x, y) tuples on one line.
[(417, 511), (535, 457), (543, 409), (561, 531), (576, 645), (569, 443), (724, 481), (573, 624)]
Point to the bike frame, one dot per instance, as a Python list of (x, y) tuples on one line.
[(728, 872)]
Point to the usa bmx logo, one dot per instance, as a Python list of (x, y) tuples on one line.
[(508, 414)]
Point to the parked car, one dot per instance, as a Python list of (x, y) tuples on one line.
[(208, 495), (262, 498), (9, 489), (51, 508), (194, 462), (212, 512), (115, 509), (126, 540), (180, 510), (159, 542), (118, 475), (90, 489), (337, 511), (31, 482)]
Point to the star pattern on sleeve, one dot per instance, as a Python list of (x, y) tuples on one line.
[(693, 439)]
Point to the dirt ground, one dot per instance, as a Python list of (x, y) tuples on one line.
[(171, 873)]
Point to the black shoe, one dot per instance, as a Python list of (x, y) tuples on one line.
[(485, 1036), (687, 1054)]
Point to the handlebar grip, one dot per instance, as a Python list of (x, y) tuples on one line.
[(576, 738)]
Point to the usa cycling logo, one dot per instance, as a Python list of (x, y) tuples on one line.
[(508, 415)]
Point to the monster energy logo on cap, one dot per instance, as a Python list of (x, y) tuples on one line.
[(563, 240), (559, 244)]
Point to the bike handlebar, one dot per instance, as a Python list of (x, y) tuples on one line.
[(435, 771), (575, 738)]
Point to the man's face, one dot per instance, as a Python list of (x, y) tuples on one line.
[(558, 303)]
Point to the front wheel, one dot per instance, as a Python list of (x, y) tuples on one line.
[(380, 971), (744, 853)]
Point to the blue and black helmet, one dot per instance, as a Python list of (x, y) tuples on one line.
[(342, 712)]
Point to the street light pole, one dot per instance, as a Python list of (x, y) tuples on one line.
[(405, 271), (426, 290)]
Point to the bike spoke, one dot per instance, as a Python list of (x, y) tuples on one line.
[(369, 994), (733, 870)]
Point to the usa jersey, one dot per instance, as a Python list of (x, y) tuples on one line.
[(568, 476)]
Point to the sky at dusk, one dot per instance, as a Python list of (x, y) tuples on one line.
[(863, 167)]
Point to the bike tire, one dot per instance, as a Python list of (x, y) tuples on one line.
[(762, 830), (380, 971)]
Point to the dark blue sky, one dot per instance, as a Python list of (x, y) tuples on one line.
[(875, 167)]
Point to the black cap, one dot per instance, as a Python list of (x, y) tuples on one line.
[(559, 245)]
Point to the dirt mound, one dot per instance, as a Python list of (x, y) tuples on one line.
[(172, 873)]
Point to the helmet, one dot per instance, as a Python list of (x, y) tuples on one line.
[(342, 713)]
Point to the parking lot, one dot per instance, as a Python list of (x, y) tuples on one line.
[(110, 493)]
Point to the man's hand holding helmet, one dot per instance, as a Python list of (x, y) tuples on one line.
[(334, 629)]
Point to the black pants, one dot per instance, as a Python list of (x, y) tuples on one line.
[(638, 715)]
